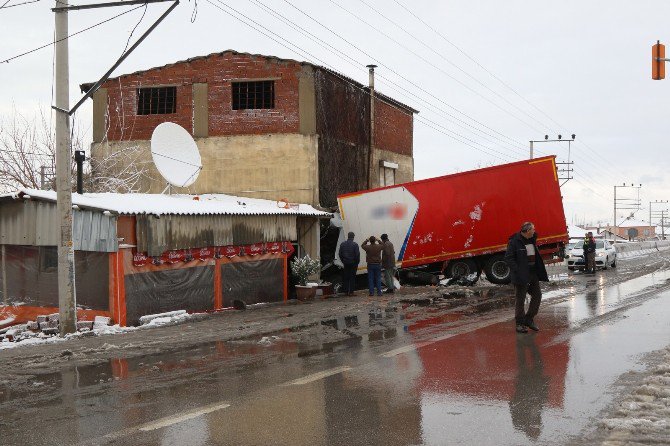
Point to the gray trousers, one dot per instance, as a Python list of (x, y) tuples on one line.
[(388, 278), (532, 288)]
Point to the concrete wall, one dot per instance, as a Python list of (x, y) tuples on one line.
[(259, 166), (405, 171)]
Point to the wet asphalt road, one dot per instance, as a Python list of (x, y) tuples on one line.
[(476, 383)]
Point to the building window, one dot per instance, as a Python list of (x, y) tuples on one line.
[(156, 100), (253, 95), (387, 173)]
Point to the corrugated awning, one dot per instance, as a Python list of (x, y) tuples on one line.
[(159, 204)]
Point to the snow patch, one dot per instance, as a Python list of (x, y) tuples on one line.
[(468, 242), (476, 214), (458, 222)]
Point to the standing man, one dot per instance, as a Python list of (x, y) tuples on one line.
[(589, 250), (373, 256), (350, 256), (527, 270), (388, 263)]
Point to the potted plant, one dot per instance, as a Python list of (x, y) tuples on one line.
[(302, 268)]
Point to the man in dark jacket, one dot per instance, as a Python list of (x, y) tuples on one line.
[(373, 256), (589, 251), (527, 270), (388, 263), (350, 256)]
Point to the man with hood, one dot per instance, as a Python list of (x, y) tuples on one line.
[(350, 256), (526, 270)]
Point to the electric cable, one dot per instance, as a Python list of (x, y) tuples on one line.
[(70, 35), (358, 65), (371, 57), (443, 57), (360, 19), (459, 49), (285, 45)]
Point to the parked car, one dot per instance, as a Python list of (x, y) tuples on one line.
[(605, 255)]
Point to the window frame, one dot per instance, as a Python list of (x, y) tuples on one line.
[(160, 109), (237, 102)]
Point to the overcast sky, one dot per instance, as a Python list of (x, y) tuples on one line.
[(498, 74)]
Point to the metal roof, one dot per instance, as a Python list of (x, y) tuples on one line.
[(160, 204)]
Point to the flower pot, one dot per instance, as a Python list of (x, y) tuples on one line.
[(305, 292)]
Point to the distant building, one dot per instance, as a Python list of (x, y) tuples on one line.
[(266, 127), (631, 229)]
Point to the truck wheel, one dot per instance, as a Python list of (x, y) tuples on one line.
[(497, 270), (461, 268)]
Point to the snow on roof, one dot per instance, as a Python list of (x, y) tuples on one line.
[(160, 204), (576, 231), (627, 223)]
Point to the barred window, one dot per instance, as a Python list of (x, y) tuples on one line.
[(156, 100), (253, 95)]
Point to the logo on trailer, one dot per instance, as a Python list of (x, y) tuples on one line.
[(395, 211)]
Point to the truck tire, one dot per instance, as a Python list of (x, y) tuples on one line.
[(497, 270), (461, 268)]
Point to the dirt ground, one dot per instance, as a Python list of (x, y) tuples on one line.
[(314, 322)]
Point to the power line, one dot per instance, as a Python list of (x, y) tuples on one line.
[(516, 143), (357, 17), (443, 37), (4, 5), (443, 57), (301, 50), (71, 35), (358, 65)]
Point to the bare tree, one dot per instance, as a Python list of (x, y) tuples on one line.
[(28, 159), (123, 170), (27, 155)]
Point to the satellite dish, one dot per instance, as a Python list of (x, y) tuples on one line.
[(175, 154)]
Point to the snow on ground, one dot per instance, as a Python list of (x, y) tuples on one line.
[(643, 416), (40, 338)]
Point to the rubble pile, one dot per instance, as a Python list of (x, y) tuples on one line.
[(46, 326)]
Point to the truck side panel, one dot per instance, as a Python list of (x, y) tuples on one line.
[(461, 215)]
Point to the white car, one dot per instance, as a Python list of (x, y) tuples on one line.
[(605, 255)]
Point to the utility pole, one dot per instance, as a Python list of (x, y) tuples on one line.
[(625, 203), (564, 173), (371, 69), (657, 214), (67, 305)]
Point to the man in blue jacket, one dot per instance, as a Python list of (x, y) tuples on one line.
[(350, 256), (527, 270)]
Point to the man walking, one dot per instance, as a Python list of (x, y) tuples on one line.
[(373, 256), (527, 270), (589, 250), (350, 256), (388, 263)]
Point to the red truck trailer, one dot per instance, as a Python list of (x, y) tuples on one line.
[(459, 224)]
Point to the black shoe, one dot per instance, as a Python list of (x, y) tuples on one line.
[(521, 328), (532, 326)]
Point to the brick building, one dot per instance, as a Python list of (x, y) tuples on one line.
[(266, 127)]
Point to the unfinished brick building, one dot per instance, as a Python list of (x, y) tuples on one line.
[(266, 127)]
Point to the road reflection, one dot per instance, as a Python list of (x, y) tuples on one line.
[(531, 388)]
